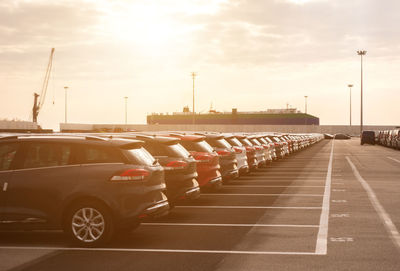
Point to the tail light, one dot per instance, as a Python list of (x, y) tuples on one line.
[(258, 148), (224, 152), (266, 147), (203, 158), (277, 144), (137, 174), (175, 165), (250, 149), (238, 150)]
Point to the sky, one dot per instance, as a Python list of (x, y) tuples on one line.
[(251, 55)]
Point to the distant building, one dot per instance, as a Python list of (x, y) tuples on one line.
[(289, 116)]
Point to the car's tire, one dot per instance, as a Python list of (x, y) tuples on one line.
[(89, 224)]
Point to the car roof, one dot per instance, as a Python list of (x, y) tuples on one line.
[(77, 138)]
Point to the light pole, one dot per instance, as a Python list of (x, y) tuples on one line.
[(350, 86), (305, 104), (361, 53), (305, 109), (65, 88), (194, 112), (126, 110)]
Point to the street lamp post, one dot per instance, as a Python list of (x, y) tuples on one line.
[(194, 112), (361, 53), (65, 115), (350, 86), (305, 104), (126, 110)]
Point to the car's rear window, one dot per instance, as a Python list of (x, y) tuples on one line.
[(140, 156), (176, 150), (198, 146), (235, 142), (246, 142), (219, 143), (269, 140), (262, 140), (255, 141)]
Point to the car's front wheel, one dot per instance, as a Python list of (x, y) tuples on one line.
[(89, 224)]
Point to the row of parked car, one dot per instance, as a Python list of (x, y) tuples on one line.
[(94, 186), (389, 138)]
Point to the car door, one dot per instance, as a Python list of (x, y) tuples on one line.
[(42, 179), (7, 157)]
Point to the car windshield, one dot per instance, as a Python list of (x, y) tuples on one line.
[(235, 142), (198, 146), (140, 156)]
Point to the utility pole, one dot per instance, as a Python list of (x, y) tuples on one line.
[(361, 53), (194, 112), (126, 110), (305, 104), (350, 86), (65, 88)]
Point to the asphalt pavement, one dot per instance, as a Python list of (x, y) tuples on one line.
[(333, 206)]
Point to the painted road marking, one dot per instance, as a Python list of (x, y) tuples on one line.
[(247, 207), (266, 195), (322, 238), (341, 239), (384, 216), (229, 225), (339, 200), (391, 158), (340, 215), (161, 250), (339, 190), (272, 186)]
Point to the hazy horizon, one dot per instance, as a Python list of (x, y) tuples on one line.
[(250, 55)]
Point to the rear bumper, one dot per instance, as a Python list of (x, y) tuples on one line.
[(158, 209)]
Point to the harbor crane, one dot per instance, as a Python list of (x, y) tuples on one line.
[(38, 100)]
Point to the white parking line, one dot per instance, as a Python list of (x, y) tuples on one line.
[(266, 195), (271, 186), (230, 225), (160, 250), (391, 158), (247, 207), (383, 215), (322, 240)]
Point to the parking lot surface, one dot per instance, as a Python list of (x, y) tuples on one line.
[(334, 206)]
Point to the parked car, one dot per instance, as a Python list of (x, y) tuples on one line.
[(90, 187), (207, 159), (368, 137), (227, 158), (240, 152), (260, 151), (250, 151), (280, 148), (179, 165)]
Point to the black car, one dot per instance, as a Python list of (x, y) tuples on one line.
[(368, 137), (88, 186)]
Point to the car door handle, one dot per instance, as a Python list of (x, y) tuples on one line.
[(5, 185)]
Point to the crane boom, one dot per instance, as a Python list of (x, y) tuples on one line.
[(38, 103)]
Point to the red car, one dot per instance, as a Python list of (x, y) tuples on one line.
[(207, 159)]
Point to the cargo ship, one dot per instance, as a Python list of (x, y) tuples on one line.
[(288, 116)]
